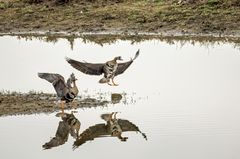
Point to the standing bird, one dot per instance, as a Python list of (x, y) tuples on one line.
[(110, 69), (65, 91)]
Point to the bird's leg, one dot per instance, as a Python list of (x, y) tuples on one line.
[(111, 115), (62, 106), (74, 104), (109, 82), (77, 129), (114, 82), (115, 114)]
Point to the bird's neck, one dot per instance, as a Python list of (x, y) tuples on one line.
[(114, 60), (74, 84), (74, 89)]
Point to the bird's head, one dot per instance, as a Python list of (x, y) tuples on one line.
[(118, 58), (72, 77)]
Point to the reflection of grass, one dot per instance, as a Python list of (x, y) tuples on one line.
[(102, 39), (204, 16)]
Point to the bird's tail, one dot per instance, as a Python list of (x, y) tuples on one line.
[(136, 55), (103, 80)]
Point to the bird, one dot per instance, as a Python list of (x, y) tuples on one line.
[(68, 125), (110, 69), (65, 91), (114, 127)]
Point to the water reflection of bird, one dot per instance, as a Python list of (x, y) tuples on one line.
[(110, 69), (65, 91), (113, 128), (69, 125)]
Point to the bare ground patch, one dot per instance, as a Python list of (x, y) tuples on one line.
[(32, 103), (159, 16)]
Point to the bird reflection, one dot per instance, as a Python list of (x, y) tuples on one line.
[(113, 127), (69, 125)]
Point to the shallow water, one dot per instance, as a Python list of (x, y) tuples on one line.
[(187, 99)]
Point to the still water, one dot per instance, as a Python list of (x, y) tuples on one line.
[(187, 99)]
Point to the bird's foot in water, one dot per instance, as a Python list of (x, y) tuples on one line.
[(114, 84), (124, 139)]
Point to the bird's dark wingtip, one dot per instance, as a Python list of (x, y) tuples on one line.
[(137, 54), (40, 75)]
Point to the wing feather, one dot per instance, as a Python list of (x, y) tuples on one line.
[(98, 130), (87, 68), (126, 125), (50, 77), (60, 138), (57, 81), (122, 67)]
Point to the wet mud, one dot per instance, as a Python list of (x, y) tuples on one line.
[(32, 103)]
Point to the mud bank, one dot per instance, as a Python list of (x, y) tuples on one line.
[(32, 103)]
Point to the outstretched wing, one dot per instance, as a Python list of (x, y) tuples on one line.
[(60, 138), (57, 81), (87, 68), (50, 77), (123, 66), (98, 130), (126, 125)]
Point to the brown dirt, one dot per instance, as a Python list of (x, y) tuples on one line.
[(31, 103), (206, 17)]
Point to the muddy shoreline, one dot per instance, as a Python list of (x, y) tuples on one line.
[(34, 103)]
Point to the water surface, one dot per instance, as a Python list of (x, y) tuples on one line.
[(187, 99)]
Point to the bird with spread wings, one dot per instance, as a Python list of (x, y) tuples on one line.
[(110, 69), (65, 91), (113, 128), (68, 125)]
